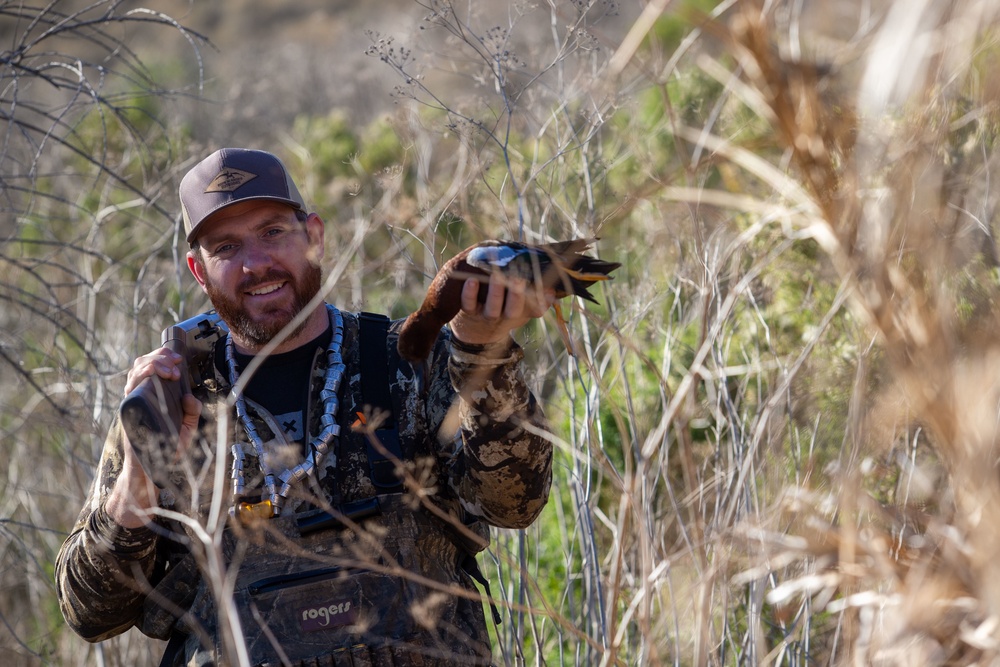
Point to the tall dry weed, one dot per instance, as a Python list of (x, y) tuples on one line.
[(889, 139)]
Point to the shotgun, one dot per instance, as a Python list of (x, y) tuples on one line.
[(151, 414)]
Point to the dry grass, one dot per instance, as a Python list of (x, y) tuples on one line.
[(777, 443)]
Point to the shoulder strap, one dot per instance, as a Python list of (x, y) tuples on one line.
[(375, 363), (374, 359)]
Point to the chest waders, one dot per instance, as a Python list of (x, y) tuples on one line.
[(365, 582)]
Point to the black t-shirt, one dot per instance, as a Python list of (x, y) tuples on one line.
[(281, 383)]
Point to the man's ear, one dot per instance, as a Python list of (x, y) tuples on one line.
[(316, 232), (197, 268)]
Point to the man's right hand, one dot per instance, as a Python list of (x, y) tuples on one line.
[(134, 493)]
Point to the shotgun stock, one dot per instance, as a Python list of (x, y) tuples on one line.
[(151, 414)]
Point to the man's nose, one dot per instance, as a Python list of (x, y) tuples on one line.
[(256, 259)]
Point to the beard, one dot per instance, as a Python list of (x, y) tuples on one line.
[(258, 332)]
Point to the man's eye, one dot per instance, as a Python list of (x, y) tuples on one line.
[(273, 232), (223, 249)]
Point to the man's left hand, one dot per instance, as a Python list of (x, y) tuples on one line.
[(510, 303)]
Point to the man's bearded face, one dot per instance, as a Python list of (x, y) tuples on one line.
[(259, 328)]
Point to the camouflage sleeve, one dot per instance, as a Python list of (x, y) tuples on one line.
[(502, 471), (102, 568)]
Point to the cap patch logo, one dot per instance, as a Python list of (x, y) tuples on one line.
[(228, 180)]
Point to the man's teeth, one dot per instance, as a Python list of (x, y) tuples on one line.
[(265, 290)]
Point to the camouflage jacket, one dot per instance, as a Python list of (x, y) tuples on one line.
[(383, 581)]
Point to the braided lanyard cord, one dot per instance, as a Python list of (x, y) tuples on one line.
[(319, 446)]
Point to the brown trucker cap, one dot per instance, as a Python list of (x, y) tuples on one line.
[(232, 175)]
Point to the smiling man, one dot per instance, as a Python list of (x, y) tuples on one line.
[(359, 488), (249, 261)]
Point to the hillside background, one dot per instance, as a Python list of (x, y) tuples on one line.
[(777, 433)]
